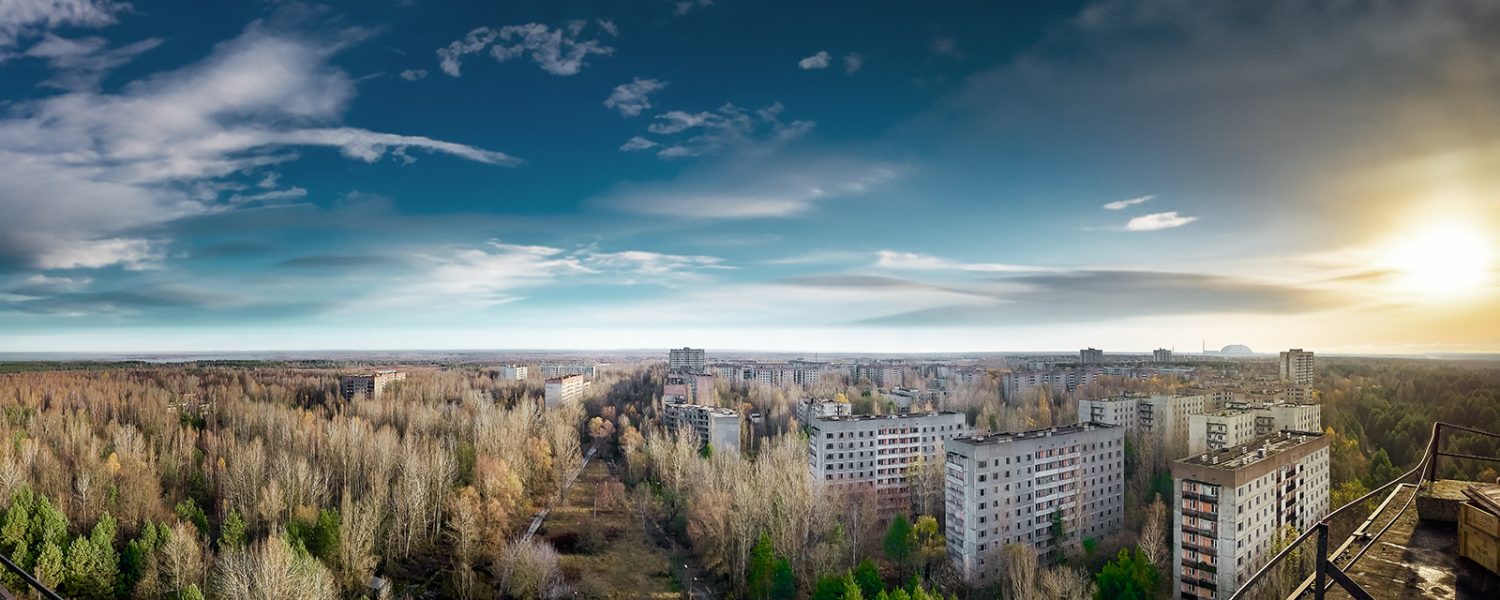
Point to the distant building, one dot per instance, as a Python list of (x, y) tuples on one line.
[(1161, 355), (1091, 356), (1296, 366), (513, 372), (904, 398), (567, 389), (371, 385), (717, 427), (1166, 419), (874, 451), (1119, 411), (1008, 488), (1218, 429), (686, 359), (692, 388), (1228, 505), (565, 369)]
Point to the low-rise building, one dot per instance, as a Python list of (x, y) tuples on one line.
[(514, 372), (1228, 505), (568, 389), (875, 451), (1010, 488), (813, 408), (370, 385)]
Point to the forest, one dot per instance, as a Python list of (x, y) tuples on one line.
[(257, 480)]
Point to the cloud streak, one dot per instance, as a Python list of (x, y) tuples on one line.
[(1124, 204), (1158, 221), (815, 62), (559, 51), (633, 98)]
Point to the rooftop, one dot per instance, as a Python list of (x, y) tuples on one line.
[(876, 417), (1253, 451), (995, 438)]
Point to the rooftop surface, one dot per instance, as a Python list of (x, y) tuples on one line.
[(1417, 559), (877, 417), (1249, 453), (995, 438)]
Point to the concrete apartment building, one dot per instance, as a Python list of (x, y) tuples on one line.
[(1296, 366), (566, 369), (1120, 411), (1166, 418), (1091, 356), (1229, 503), (1161, 355), (717, 427), (567, 389), (693, 388), (1006, 488), (514, 372), (371, 385), (875, 450), (813, 408), (686, 359), (1240, 422)]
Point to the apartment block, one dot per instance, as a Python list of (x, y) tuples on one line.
[(1220, 429), (1161, 355), (693, 388), (875, 451), (1009, 488), (1286, 415), (514, 372), (566, 369), (717, 427), (1120, 411), (686, 359), (814, 408), (1091, 356), (371, 385), (1296, 366), (568, 389), (1229, 503), (1166, 418)]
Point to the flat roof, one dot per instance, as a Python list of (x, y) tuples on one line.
[(1248, 453), (875, 417), (995, 438)]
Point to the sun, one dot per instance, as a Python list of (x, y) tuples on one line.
[(1446, 259)]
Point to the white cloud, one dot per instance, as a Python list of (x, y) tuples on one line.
[(609, 27), (711, 132), (751, 188), (816, 61), (1123, 204), (80, 64), (686, 6), (891, 259), (558, 51), (853, 62), (87, 166), (414, 74), (946, 46), (638, 143), (634, 97), (1156, 221), (20, 18)]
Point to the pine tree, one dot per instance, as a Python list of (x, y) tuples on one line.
[(762, 563)]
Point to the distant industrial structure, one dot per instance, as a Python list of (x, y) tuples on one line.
[(1228, 505), (1011, 487), (370, 385)]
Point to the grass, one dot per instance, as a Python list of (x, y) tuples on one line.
[(606, 555)]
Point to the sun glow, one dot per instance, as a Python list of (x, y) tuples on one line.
[(1446, 259)]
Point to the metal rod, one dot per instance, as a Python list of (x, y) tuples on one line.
[(31, 581), (1322, 564)]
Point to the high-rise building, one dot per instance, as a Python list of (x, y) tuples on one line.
[(1297, 366), (371, 385), (513, 372), (1010, 488), (874, 451), (1091, 356), (1120, 411), (1229, 503), (563, 390), (1161, 355), (812, 408), (719, 428), (1165, 418), (1217, 429), (692, 388), (686, 359)]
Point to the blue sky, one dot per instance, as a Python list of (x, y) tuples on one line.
[(886, 176)]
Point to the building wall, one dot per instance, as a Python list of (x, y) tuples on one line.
[(718, 427), (1005, 489), (514, 372), (372, 385), (875, 451), (1221, 429), (1296, 366), (564, 390), (1122, 412), (686, 359)]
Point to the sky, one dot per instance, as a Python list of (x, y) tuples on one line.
[(834, 176)]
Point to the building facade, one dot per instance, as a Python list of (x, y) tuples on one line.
[(1228, 505), (719, 428), (567, 389), (1223, 428), (514, 372), (1296, 366), (686, 359), (692, 388), (1166, 418), (1091, 356), (1120, 411), (371, 385), (1010, 488), (875, 451), (1161, 355), (813, 408)]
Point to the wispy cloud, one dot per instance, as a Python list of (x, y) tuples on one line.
[(1124, 204), (816, 61), (559, 51), (633, 98), (945, 46), (414, 74), (752, 188), (688, 134), (853, 62), (890, 259), (686, 6), (20, 18), (1158, 221), (80, 64)]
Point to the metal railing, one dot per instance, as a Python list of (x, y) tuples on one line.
[(16, 569), (1325, 572)]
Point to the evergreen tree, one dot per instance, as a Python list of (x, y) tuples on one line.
[(868, 578), (1130, 576), (762, 563), (783, 581), (829, 587), (851, 589), (898, 541), (232, 534)]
